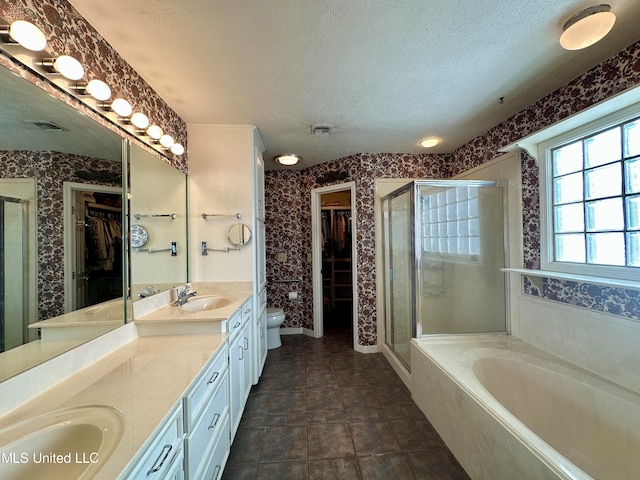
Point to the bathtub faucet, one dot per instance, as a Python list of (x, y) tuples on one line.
[(183, 296)]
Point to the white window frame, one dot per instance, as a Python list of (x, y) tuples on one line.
[(546, 201)]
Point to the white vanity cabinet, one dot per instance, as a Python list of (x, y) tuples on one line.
[(240, 363), (206, 420), (161, 458)]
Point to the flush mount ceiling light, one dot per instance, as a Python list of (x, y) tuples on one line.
[(587, 27), (288, 159), (65, 65), (25, 34), (429, 142)]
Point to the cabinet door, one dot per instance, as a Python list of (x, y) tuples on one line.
[(247, 361), (236, 382)]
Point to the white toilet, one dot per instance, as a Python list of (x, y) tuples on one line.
[(275, 317)]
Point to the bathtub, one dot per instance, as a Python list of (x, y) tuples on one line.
[(510, 411)]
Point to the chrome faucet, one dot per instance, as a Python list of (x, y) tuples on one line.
[(184, 295)]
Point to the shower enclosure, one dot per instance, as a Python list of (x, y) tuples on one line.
[(443, 254)]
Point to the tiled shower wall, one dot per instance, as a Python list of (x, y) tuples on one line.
[(288, 204)]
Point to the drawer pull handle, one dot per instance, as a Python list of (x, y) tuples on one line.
[(261, 332), (248, 310), (214, 422), (216, 472), (241, 353), (161, 458), (237, 325), (213, 378), (246, 343)]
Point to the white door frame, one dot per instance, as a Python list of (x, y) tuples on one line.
[(69, 189), (316, 229)]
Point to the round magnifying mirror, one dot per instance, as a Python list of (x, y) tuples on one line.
[(239, 234)]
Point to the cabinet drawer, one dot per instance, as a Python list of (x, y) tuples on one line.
[(219, 456), (246, 312), (201, 440), (207, 382), (163, 452), (235, 322)]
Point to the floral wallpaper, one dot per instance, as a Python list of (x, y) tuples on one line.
[(51, 170), (68, 33), (289, 215)]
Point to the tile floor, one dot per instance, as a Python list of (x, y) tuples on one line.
[(323, 411)]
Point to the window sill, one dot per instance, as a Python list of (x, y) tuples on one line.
[(611, 282)]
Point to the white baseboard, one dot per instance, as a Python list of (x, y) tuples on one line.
[(291, 331), (366, 348)]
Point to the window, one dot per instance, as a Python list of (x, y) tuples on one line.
[(591, 200), (451, 222)]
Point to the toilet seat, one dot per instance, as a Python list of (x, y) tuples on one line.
[(273, 312)]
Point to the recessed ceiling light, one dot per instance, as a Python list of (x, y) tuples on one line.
[(288, 159), (587, 27), (429, 142)]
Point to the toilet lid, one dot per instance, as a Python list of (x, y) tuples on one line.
[(274, 312)]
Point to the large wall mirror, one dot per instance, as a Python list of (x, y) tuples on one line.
[(62, 253), (158, 216)]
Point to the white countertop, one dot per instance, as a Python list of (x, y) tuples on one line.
[(144, 379)]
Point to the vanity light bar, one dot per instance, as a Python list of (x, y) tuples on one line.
[(30, 37)]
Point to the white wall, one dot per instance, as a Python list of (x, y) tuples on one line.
[(220, 182)]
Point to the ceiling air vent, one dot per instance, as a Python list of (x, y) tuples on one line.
[(321, 129), (48, 126)]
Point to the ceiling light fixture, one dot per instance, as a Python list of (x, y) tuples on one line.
[(25, 34), (99, 90), (429, 142), (587, 27), (65, 65), (288, 159)]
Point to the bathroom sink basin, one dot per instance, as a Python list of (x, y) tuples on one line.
[(207, 302), (64, 444)]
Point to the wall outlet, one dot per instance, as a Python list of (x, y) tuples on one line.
[(282, 257)]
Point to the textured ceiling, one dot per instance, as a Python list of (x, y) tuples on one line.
[(384, 73)]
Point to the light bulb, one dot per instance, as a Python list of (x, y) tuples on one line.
[(121, 107), (166, 141), (28, 35), (140, 120), (99, 90), (155, 132), (177, 149), (69, 67)]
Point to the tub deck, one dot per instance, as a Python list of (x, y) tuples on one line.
[(509, 410)]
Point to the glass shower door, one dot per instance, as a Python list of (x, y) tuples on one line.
[(460, 240), (398, 232)]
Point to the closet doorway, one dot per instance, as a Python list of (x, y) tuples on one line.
[(334, 294), (92, 244)]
